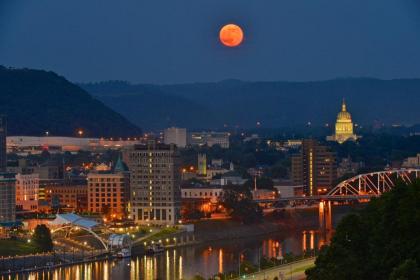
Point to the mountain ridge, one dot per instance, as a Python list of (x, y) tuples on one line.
[(274, 104), (37, 101)]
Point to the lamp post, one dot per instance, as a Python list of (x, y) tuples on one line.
[(239, 261)]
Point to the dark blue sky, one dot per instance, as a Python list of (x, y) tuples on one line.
[(174, 41)]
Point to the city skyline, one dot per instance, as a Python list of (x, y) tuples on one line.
[(211, 139)]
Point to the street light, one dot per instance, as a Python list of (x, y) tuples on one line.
[(239, 261)]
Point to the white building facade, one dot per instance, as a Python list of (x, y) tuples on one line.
[(212, 194), (175, 135)]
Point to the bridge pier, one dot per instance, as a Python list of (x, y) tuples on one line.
[(325, 215)]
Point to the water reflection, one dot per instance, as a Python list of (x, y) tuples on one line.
[(184, 263)]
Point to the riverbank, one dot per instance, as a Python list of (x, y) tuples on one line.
[(216, 249), (209, 232)]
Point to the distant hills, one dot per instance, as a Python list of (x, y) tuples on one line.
[(273, 104), (38, 101)]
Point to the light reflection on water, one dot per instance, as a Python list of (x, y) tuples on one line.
[(184, 263)]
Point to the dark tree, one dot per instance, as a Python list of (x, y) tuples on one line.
[(380, 242), (42, 238), (106, 211), (406, 271), (240, 205)]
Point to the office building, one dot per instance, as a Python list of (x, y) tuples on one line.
[(108, 191), (7, 197), (27, 191), (175, 135), (3, 152), (314, 167), (155, 176)]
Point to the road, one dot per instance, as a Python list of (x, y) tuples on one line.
[(292, 271)]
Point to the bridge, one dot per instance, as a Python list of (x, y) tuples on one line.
[(375, 183), (362, 187)]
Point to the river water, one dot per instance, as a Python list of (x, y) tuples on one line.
[(186, 262)]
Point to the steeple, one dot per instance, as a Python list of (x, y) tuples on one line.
[(343, 106)]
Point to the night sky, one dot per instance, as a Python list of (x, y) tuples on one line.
[(176, 41)]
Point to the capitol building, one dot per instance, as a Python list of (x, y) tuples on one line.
[(343, 127)]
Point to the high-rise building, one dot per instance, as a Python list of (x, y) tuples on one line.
[(3, 152), (315, 168), (109, 191), (27, 192), (175, 135), (155, 178), (7, 197), (343, 127)]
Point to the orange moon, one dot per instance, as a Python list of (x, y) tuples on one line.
[(231, 35)]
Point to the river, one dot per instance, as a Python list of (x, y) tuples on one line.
[(186, 262)]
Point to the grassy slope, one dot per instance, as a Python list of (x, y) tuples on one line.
[(17, 247)]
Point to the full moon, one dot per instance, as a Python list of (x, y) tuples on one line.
[(231, 35)]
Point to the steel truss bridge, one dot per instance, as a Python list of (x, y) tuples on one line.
[(362, 187)]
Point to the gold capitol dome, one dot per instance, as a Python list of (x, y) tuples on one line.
[(344, 116), (343, 126)]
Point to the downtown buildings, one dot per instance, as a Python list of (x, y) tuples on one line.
[(182, 139), (63, 195), (314, 168), (109, 192), (155, 179)]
